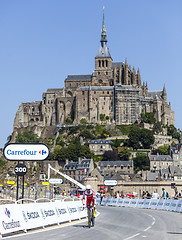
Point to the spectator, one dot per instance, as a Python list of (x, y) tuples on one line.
[(164, 193), (101, 197), (148, 195), (143, 194)]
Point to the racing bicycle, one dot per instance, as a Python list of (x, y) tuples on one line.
[(91, 217)]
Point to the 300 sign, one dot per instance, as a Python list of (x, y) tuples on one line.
[(20, 169)]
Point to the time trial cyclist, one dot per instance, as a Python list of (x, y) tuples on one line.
[(89, 197)]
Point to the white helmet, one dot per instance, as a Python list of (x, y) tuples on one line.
[(88, 187)]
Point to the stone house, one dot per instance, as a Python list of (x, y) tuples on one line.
[(78, 170), (176, 154), (109, 168), (158, 162), (98, 147)]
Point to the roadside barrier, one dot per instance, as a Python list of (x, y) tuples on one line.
[(22, 217), (159, 204)]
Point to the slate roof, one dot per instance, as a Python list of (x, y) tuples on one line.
[(117, 177), (100, 141), (153, 94), (117, 64), (103, 52), (76, 166), (152, 176), (97, 88), (115, 163), (78, 77), (160, 158)]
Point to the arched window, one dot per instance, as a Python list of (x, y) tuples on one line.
[(99, 63), (102, 63)]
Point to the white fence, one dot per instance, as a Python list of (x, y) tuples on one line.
[(16, 217), (160, 204)]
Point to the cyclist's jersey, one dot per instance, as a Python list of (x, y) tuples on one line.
[(89, 197)]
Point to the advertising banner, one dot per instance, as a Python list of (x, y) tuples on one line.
[(73, 211), (133, 202), (104, 201), (167, 203), (140, 203), (154, 203), (26, 152), (32, 217), (160, 204), (179, 206), (173, 205), (82, 212), (126, 202), (114, 201), (10, 218), (147, 203), (108, 203), (120, 202)]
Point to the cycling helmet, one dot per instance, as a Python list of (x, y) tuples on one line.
[(88, 187)]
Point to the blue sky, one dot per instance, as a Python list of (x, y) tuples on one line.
[(43, 41)]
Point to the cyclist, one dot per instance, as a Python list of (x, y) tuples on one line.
[(89, 196)]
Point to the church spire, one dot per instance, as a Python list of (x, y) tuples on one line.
[(103, 33), (103, 50)]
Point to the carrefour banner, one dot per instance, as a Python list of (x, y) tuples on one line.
[(16, 217), (10, 218)]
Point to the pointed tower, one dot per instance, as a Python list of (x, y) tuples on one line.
[(126, 72), (164, 94), (103, 60), (139, 78)]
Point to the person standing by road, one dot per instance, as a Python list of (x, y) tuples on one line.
[(164, 193)]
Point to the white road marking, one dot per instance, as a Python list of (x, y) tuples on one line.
[(145, 230)]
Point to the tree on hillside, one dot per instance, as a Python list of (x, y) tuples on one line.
[(146, 138), (157, 128), (27, 137), (148, 117), (163, 150), (134, 137), (124, 155), (116, 143), (172, 131), (140, 138), (141, 162), (72, 152), (110, 156)]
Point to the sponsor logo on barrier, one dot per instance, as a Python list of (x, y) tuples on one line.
[(24, 216), (7, 213), (47, 213), (43, 215), (10, 225), (72, 210), (61, 211)]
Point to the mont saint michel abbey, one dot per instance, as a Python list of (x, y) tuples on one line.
[(114, 89)]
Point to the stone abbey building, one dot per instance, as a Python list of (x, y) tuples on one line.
[(114, 91)]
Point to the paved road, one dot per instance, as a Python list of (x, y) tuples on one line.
[(118, 223)]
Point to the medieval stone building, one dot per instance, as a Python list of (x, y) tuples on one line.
[(114, 91)]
